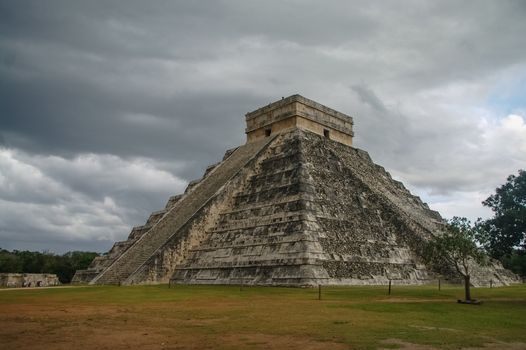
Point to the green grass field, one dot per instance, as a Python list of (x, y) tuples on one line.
[(225, 317)]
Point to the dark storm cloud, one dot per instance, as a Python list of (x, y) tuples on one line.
[(98, 100), (63, 119), (65, 88)]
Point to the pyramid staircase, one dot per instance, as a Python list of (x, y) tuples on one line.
[(167, 223)]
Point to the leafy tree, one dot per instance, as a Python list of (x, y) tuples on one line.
[(9, 262), (506, 231), (456, 248), (516, 262), (67, 264)]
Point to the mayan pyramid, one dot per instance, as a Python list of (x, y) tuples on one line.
[(296, 205)]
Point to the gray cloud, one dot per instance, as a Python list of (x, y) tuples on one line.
[(90, 198), (368, 97), (93, 95)]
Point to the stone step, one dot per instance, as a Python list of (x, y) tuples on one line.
[(192, 184), (138, 231), (173, 200), (155, 216), (210, 168)]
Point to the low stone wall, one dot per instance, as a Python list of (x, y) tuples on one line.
[(28, 280)]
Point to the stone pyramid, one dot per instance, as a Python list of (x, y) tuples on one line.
[(296, 205)]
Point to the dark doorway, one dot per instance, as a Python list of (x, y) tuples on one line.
[(268, 132), (326, 133)]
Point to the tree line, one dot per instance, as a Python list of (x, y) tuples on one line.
[(64, 266)]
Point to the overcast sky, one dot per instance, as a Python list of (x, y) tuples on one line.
[(108, 108)]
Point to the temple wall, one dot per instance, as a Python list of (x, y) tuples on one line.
[(280, 126), (298, 112), (317, 128), (18, 280)]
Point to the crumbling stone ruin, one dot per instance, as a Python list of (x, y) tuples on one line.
[(28, 280), (296, 205)]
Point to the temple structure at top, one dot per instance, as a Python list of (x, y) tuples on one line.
[(299, 112)]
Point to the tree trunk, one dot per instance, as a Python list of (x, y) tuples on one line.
[(466, 287)]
